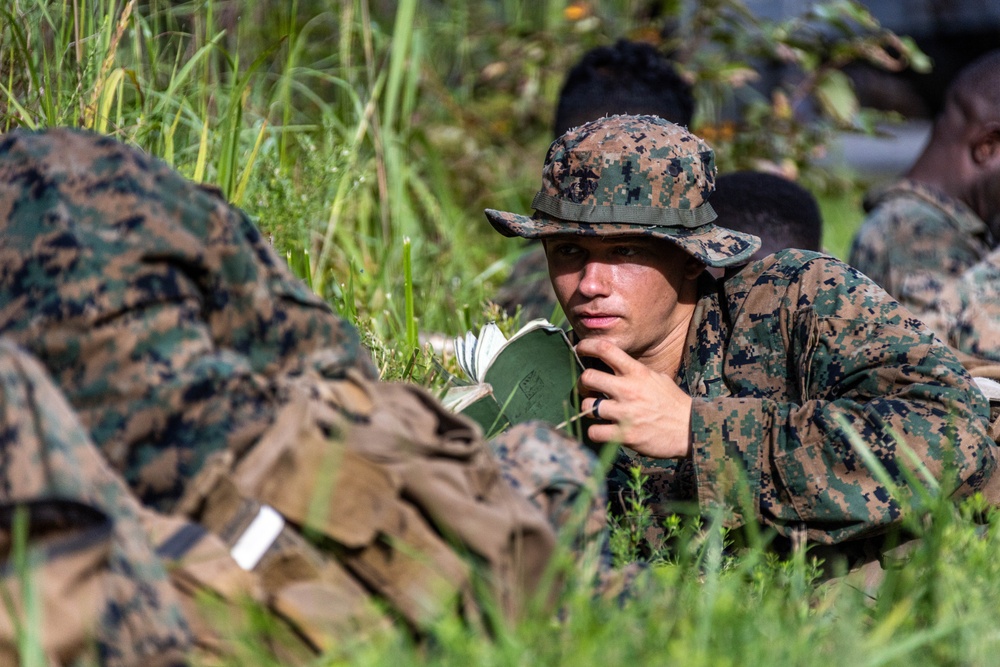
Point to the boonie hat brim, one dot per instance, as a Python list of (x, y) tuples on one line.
[(714, 245)]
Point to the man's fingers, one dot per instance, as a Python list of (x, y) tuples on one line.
[(625, 369), (608, 352), (598, 407), (606, 433)]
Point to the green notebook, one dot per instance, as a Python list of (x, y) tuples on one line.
[(530, 376)]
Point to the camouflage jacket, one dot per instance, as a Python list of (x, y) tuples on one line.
[(776, 355), (916, 242), (159, 309)]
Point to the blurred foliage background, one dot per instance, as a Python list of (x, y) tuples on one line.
[(366, 136)]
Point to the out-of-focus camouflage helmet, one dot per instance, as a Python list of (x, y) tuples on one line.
[(628, 176)]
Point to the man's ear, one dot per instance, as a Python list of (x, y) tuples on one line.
[(693, 268), (986, 145)]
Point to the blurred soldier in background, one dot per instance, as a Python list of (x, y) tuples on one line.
[(924, 231), (780, 212), (216, 392)]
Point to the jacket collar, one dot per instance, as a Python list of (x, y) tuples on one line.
[(700, 373)]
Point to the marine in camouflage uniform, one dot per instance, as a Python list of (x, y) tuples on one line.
[(768, 360), (777, 354), (624, 77), (178, 335), (916, 243), (924, 232)]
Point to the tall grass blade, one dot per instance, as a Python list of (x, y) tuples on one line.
[(29, 639), (241, 188), (200, 164), (111, 85), (412, 341)]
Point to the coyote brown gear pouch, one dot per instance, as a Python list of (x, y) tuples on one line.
[(386, 483), (58, 569)]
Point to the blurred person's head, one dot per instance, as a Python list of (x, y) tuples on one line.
[(782, 213), (626, 78), (962, 156)]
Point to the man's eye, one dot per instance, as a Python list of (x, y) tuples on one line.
[(627, 251), (567, 250)]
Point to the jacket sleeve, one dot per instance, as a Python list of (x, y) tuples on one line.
[(852, 357)]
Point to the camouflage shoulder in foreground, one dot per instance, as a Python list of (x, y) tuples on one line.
[(159, 309)]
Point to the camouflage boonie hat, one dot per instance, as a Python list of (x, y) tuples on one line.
[(627, 176)]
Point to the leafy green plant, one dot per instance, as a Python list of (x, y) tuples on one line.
[(786, 124), (628, 541)]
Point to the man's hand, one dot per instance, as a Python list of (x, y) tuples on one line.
[(646, 410)]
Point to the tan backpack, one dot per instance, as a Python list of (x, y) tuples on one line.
[(399, 497)]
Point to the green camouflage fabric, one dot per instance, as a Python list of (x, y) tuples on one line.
[(916, 243), (556, 473), (975, 328), (775, 355), (47, 454), (627, 176), (559, 476), (158, 309)]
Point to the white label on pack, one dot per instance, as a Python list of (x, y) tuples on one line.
[(257, 538)]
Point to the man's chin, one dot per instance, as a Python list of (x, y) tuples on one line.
[(590, 334)]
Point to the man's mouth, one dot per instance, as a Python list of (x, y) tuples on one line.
[(596, 321)]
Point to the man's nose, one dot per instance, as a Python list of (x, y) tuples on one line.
[(595, 279)]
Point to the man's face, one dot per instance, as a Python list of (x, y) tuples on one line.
[(633, 291)]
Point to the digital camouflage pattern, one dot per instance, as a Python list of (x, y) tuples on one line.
[(789, 344), (976, 327), (559, 477), (629, 176), (46, 454), (158, 309), (556, 473), (916, 243)]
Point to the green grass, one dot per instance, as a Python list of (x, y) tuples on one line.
[(842, 216), (365, 139)]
